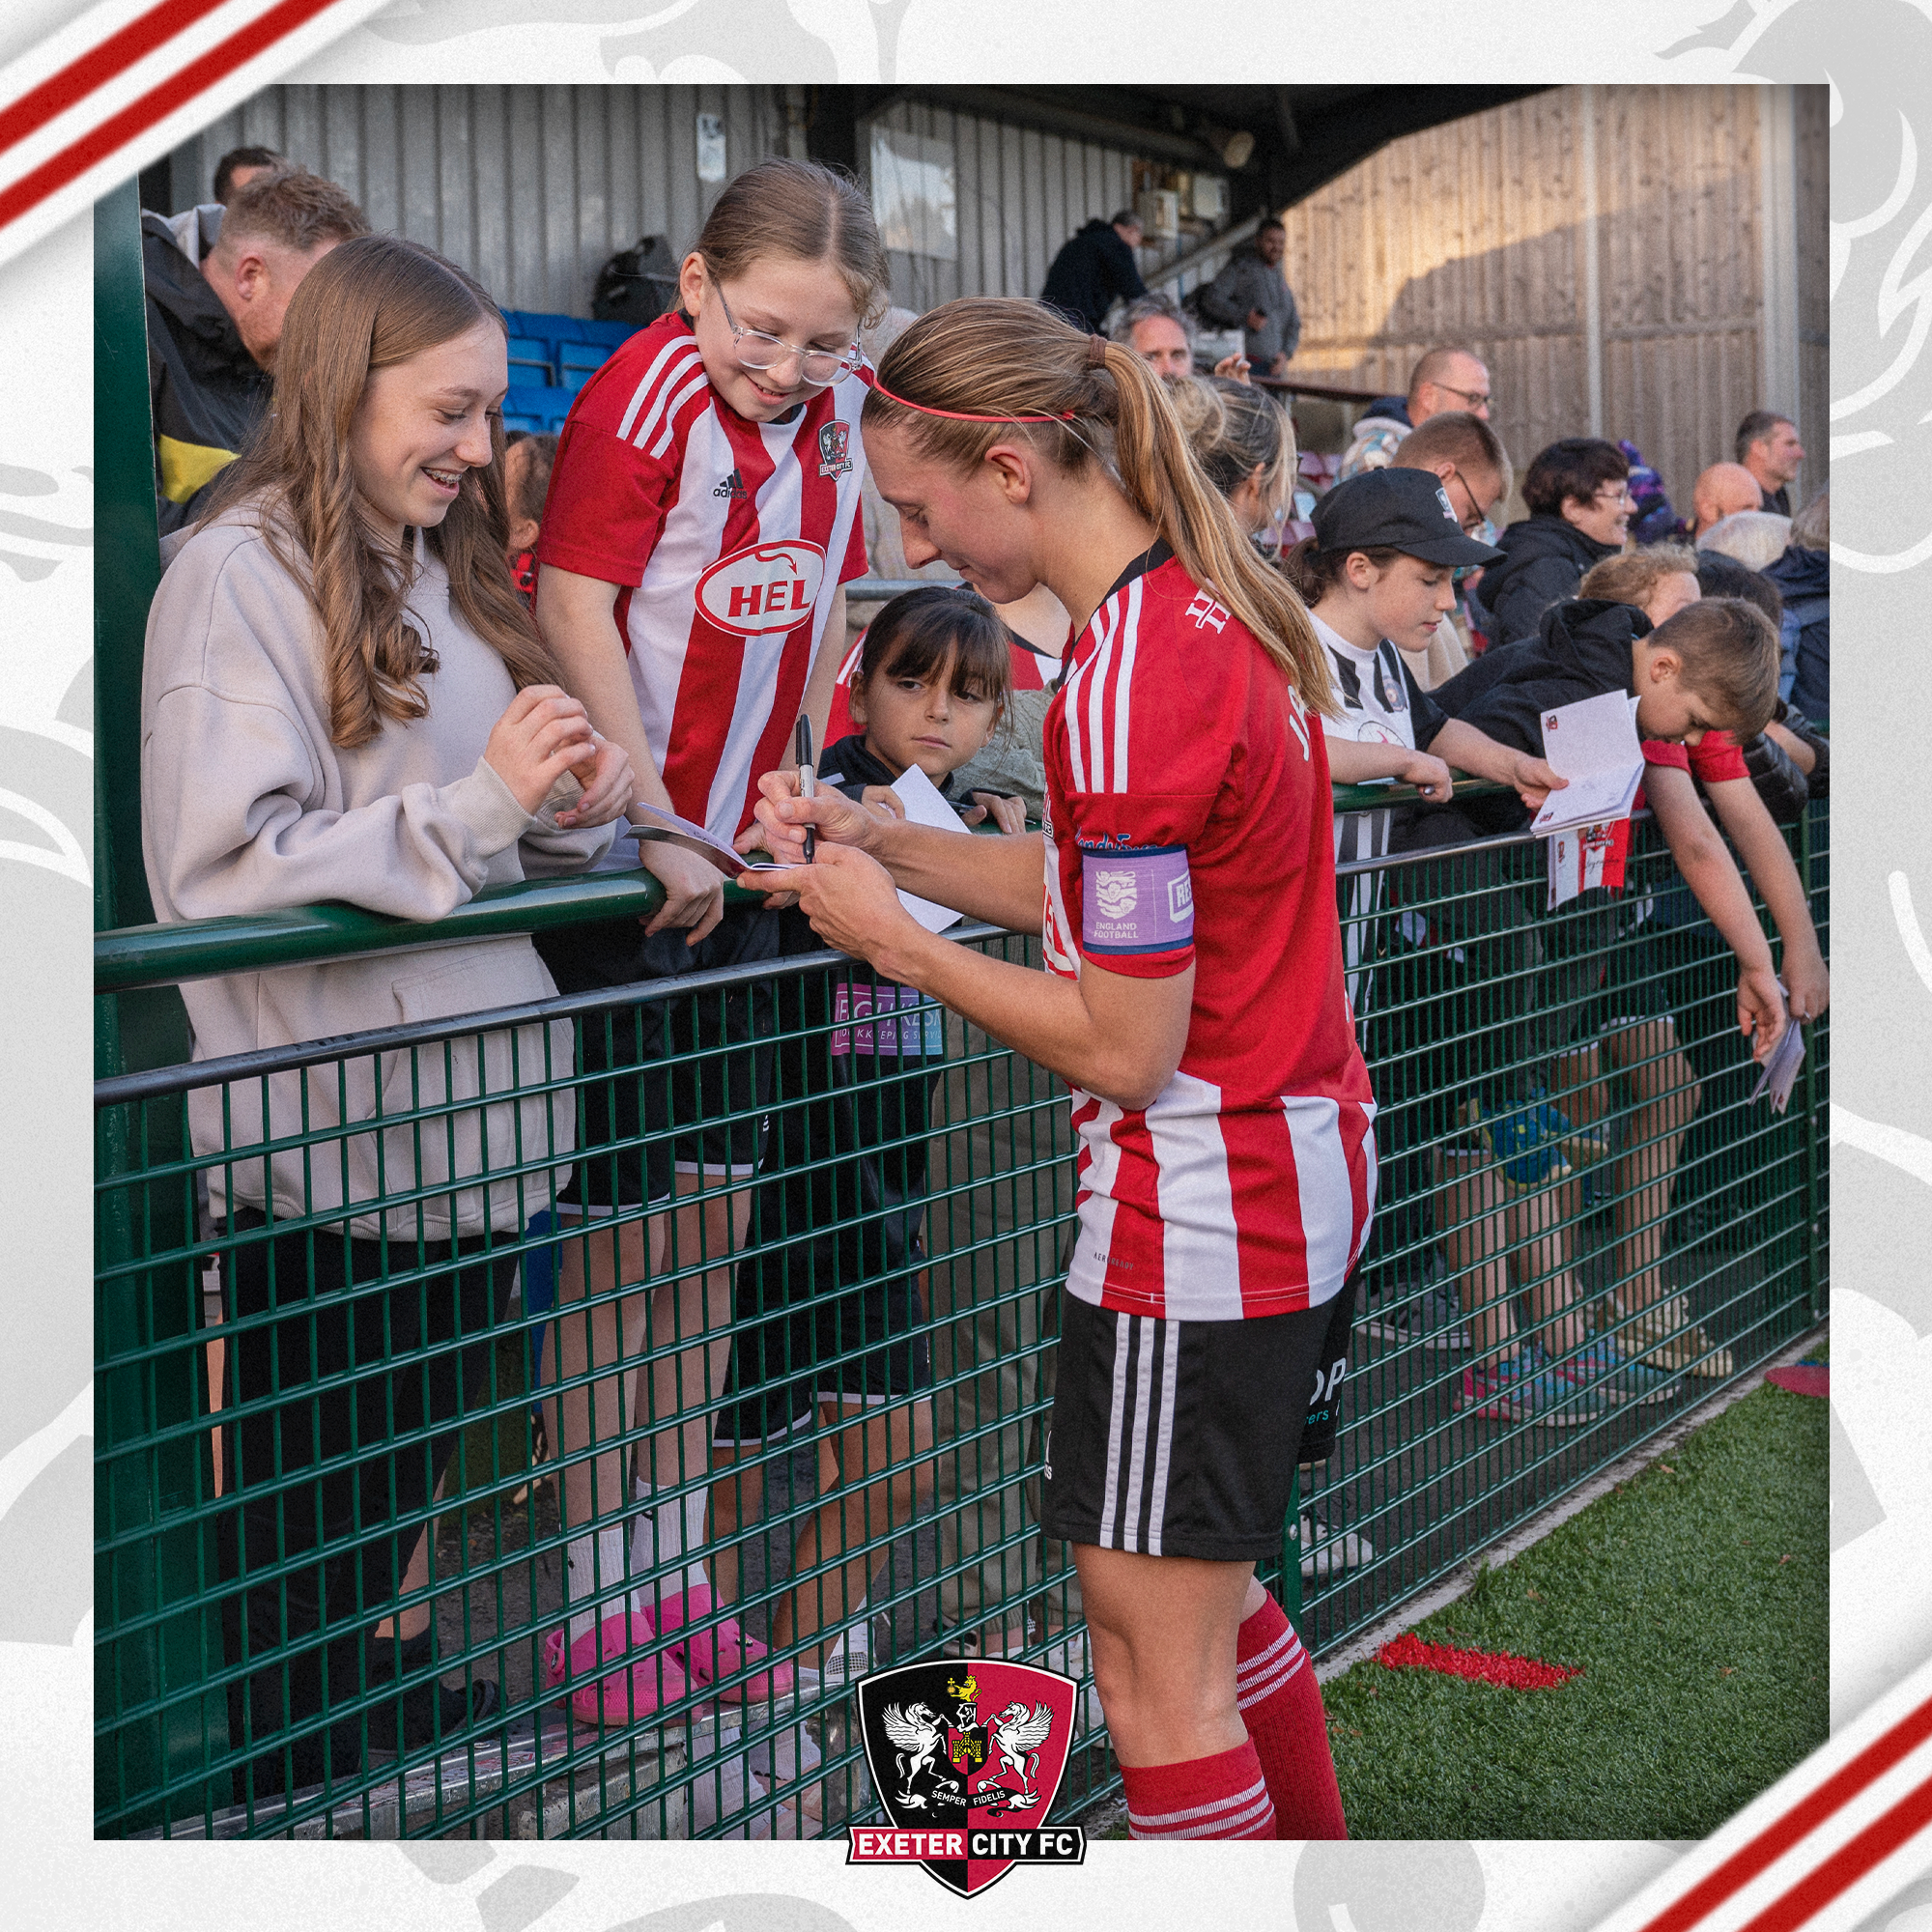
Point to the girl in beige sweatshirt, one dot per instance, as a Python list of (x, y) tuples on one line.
[(344, 698)]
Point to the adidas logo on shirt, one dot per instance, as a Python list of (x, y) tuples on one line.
[(732, 486)]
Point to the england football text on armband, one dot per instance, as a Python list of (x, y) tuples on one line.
[(1135, 899)]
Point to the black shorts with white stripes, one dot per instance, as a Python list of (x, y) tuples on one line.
[(1178, 1439)]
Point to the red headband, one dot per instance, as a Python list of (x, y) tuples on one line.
[(871, 380)]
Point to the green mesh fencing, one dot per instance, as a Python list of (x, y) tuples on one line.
[(408, 1395)]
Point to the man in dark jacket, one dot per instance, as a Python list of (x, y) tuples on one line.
[(1251, 294), (218, 283), (1578, 498), (1092, 267), (1768, 446)]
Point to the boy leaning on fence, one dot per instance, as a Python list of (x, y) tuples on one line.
[(1710, 669)]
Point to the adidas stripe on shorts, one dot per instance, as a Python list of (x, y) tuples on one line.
[(1175, 1437)]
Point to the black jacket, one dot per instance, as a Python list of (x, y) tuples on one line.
[(1544, 558), (1090, 271), (1582, 650), (849, 767), (1803, 579), (206, 392)]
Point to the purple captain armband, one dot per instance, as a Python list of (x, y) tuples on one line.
[(1136, 901)]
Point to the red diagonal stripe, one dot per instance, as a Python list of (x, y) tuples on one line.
[(96, 68), (156, 105), (1805, 1817), (1849, 1863), (1408, 1652)]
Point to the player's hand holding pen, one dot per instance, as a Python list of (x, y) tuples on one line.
[(783, 815)]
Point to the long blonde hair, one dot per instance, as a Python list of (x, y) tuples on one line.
[(367, 305), (990, 356)]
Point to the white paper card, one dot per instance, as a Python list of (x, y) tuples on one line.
[(924, 805), (1780, 1071), (1594, 745)]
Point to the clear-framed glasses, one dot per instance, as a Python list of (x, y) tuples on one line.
[(819, 367), (1474, 398)]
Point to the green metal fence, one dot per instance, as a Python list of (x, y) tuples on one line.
[(893, 1270)]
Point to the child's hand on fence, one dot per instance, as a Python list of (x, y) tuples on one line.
[(849, 896), (1008, 815), (1809, 983), (783, 816), (1429, 775), (1760, 1008), (1533, 780)]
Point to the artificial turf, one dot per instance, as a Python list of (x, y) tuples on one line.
[(1695, 1599)]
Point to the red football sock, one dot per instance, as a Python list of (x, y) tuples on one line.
[(1281, 1705), (1223, 1797)]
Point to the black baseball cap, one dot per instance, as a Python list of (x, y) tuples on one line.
[(1398, 509)]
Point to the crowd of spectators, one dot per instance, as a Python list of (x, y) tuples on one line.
[(549, 561)]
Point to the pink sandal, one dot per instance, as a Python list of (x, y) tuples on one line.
[(720, 1651), (633, 1689)]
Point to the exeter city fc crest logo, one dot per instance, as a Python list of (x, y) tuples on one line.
[(834, 449), (966, 1758)]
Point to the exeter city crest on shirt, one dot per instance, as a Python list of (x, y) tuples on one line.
[(834, 449), (763, 588), (966, 1758)]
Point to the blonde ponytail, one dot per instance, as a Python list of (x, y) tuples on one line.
[(1001, 367)]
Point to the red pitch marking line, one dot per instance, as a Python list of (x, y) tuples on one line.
[(156, 105), (1850, 1862), (1408, 1652)]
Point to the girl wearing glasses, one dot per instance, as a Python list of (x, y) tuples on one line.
[(703, 514)]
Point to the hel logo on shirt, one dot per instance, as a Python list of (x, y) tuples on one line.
[(834, 449), (1117, 894), (763, 588)]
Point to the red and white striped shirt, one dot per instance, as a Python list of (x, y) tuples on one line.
[(1033, 671), (728, 538), (1190, 824)]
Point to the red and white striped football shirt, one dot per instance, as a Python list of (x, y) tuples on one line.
[(1033, 671), (729, 537), (1190, 823)]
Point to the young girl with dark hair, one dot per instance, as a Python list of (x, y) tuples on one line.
[(344, 698), (834, 1319), (1193, 1002), (703, 512)]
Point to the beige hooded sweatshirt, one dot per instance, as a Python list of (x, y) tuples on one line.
[(249, 807)]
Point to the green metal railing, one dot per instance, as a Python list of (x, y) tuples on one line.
[(902, 1240)]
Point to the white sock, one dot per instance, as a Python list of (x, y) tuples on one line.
[(592, 1561), (854, 1646), (660, 1536)]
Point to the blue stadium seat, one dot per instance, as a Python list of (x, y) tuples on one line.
[(531, 353), (527, 406), (611, 334), (578, 361)]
